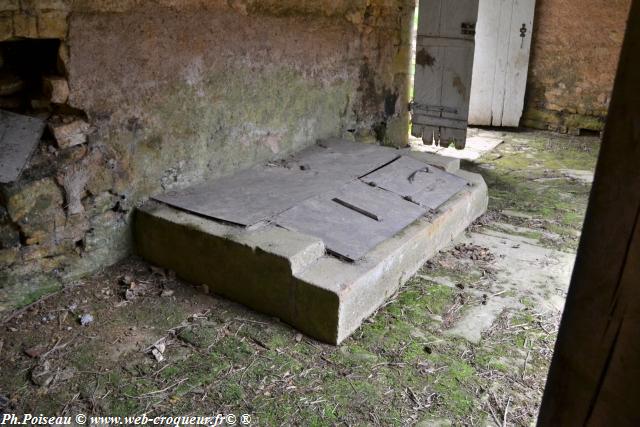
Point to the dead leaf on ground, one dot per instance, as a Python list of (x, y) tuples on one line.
[(35, 351), (41, 375)]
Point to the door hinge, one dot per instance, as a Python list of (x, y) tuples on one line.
[(415, 106)]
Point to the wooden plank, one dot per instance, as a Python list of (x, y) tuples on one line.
[(456, 81), (484, 61), (518, 62), (444, 62), (19, 136), (595, 372), (442, 18), (502, 60), (431, 121), (429, 17)]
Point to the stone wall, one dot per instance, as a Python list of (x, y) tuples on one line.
[(575, 52), (165, 93)]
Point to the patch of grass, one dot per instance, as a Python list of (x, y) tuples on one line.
[(199, 336), (455, 387), (438, 298), (41, 286), (161, 314), (85, 357), (525, 176)]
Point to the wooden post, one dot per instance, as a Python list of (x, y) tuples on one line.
[(595, 373)]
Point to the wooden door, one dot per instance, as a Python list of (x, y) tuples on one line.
[(501, 62), (444, 64)]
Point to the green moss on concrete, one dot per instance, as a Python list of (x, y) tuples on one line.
[(561, 121), (455, 387), (579, 121), (525, 174), (19, 290), (541, 119)]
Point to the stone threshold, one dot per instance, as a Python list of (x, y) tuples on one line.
[(289, 275)]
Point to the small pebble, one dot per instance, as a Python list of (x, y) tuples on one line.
[(86, 319)]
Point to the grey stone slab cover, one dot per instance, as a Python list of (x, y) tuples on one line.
[(416, 181), (259, 193), (19, 136), (352, 196), (353, 220), (250, 196)]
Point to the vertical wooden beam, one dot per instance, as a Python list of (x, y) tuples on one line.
[(595, 372)]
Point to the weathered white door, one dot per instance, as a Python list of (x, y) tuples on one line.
[(444, 63), (503, 42)]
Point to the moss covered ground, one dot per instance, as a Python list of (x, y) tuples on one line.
[(399, 368)]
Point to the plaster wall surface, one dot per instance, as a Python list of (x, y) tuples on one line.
[(178, 91)]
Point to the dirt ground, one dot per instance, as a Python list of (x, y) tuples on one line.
[(467, 341)]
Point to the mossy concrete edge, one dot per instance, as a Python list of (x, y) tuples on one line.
[(287, 274)]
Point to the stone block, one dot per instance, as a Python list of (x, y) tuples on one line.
[(63, 59), (9, 236), (11, 102), (56, 89), (36, 208), (53, 25), (74, 179), (6, 26), (8, 257), (9, 5), (10, 85), (75, 228), (60, 5), (102, 177), (100, 203), (25, 26), (109, 232), (70, 132), (287, 274), (46, 250)]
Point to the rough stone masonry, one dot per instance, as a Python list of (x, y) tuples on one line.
[(152, 95), (574, 57)]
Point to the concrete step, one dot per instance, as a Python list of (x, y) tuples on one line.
[(287, 274)]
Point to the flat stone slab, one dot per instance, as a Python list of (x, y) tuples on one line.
[(476, 146), (352, 196), (523, 268), (19, 136), (352, 220), (290, 274), (261, 192)]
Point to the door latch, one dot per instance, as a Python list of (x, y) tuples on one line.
[(523, 34), (468, 28)]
